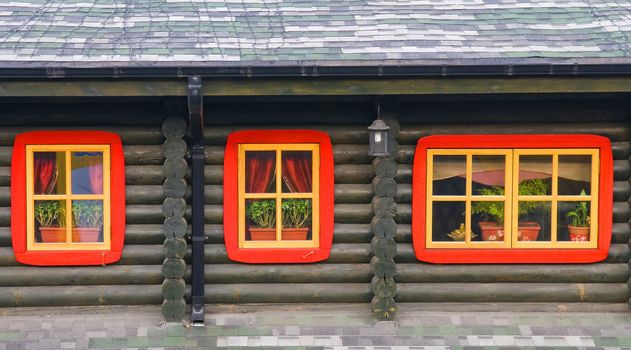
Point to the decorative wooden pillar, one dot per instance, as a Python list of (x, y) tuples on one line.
[(385, 228), (175, 225)]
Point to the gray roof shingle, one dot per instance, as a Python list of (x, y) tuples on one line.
[(296, 32)]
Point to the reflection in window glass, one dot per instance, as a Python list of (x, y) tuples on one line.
[(261, 219), (296, 214), (535, 173), (534, 221), (297, 172), (489, 175), (49, 172), (448, 221), (260, 172), (449, 178), (50, 221), (87, 172), (488, 218), (575, 172), (87, 221), (573, 221)]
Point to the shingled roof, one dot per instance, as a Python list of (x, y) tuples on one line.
[(300, 32)]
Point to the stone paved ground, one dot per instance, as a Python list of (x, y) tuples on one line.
[(308, 327)]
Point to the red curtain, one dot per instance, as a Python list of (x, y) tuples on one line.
[(297, 171), (45, 172), (259, 171)]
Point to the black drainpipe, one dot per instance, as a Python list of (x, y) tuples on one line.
[(196, 122)]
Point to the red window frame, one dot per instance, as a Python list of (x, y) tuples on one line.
[(18, 199), (230, 217), (511, 255)]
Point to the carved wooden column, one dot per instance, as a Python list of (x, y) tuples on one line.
[(175, 225)]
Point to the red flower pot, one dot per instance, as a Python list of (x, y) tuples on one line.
[(262, 234), (527, 231), (53, 234), (85, 234), (295, 234), (578, 233)]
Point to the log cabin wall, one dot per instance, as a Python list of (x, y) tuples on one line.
[(136, 279)]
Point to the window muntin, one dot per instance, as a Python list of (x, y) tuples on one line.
[(278, 195), (68, 197), (481, 182)]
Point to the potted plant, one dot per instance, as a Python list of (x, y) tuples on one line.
[(494, 230), (51, 217), (87, 221), (578, 221), (262, 215), (296, 219)]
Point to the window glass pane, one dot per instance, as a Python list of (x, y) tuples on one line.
[(535, 173), (534, 221), (260, 172), (297, 171), (573, 221), (489, 175), (49, 172), (260, 219), (575, 172), (87, 221), (50, 221), (488, 220), (448, 221), (296, 214), (87, 172), (449, 178)]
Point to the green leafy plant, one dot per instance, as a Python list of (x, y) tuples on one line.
[(262, 213), (296, 213), (87, 214), (495, 210), (580, 215), (50, 213)]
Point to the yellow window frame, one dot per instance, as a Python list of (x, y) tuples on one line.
[(68, 197), (511, 198), (278, 195)]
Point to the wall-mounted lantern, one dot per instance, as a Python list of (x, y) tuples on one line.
[(378, 133)]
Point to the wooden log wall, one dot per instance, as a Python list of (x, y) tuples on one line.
[(343, 278), (604, 282), (135, 280)]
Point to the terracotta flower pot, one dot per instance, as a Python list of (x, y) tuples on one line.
[(53, 234), (85, 234), (527, 231), (262, 234), (295, 234), (578, 233)]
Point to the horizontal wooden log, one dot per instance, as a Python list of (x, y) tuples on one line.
[(352, 194), (134, 135), (619, 132), (5, 176), (143, 155), (80, 295), (512, 292), (217, 135), (354, 173), (5, 196), (621, 149), (340, 253), (618, 253), (132, 255), (288, 293), (5, 236), (621, 212), (404, 233), (353, 213), (141, 214), (621, 191), (575, 273), (621, 233), (143, 234), (404, 174), (309, 273), (145, 194), (144, 175), (86, 275), (621, 170)]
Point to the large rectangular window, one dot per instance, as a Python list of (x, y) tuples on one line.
[(512, 198)]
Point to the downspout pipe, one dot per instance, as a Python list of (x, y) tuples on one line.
[(196, 124)]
